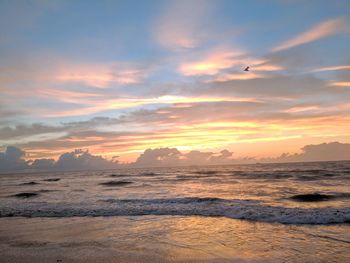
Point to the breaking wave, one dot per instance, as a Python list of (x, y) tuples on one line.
[(190, 206)]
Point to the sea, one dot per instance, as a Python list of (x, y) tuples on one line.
[(292, 212)]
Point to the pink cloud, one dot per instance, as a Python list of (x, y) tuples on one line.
[(322, 30), (239, 76), (99, 75), (211, 64), (218, 62)]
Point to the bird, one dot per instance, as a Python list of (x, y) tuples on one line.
[(246, 69)]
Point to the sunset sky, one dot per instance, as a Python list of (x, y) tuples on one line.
[(119, 77)]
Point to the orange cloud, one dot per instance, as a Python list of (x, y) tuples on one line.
[(345, 84), (219, 60), (302, 109), (322, 30), (212, 64)]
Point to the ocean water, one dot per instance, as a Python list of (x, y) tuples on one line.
[(298, 212)]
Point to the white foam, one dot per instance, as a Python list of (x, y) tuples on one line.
[(236, 209)]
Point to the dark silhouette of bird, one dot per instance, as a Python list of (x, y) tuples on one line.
[(246, 69)]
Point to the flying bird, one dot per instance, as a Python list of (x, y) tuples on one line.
[(246, 69)]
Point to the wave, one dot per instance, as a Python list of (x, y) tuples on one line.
[(190, 206), (299, 175)]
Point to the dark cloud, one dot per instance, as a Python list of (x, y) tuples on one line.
[(43, 164), (79, 160), (12, 159)]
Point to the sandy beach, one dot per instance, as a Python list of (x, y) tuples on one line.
[(168, 239)]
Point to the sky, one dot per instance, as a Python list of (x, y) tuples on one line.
[(119, 77)]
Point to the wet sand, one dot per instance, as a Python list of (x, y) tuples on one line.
[(168, 239)]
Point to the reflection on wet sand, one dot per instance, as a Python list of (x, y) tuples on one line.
[(169, 239)]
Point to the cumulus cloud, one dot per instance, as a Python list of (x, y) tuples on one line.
[(173, 157), (12, 159), (332, 151), (43, 164), (322, 30), (159, 157), (80, 159), (205, 122)]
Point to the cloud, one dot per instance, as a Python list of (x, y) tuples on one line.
[(238, 76), (43, 164), (332, 151), (100, 75), (322, 30), (186, 123), (183, 24), (222, 65), (208, 158), (332, 68), (56, 87), (345, 84), (7, 115), (49, 69), (22, 131), (212, 63), (12, 159), (173, 157), (159, 157), (276, 85), (79, 159), (223, 158)]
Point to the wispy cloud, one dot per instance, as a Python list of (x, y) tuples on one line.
[(183, 24), (212, 63), (332, 68), (238, 76), (100, 75), (344, 84), (220, 61), (103, 104), (322, 30), (52, 69)]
